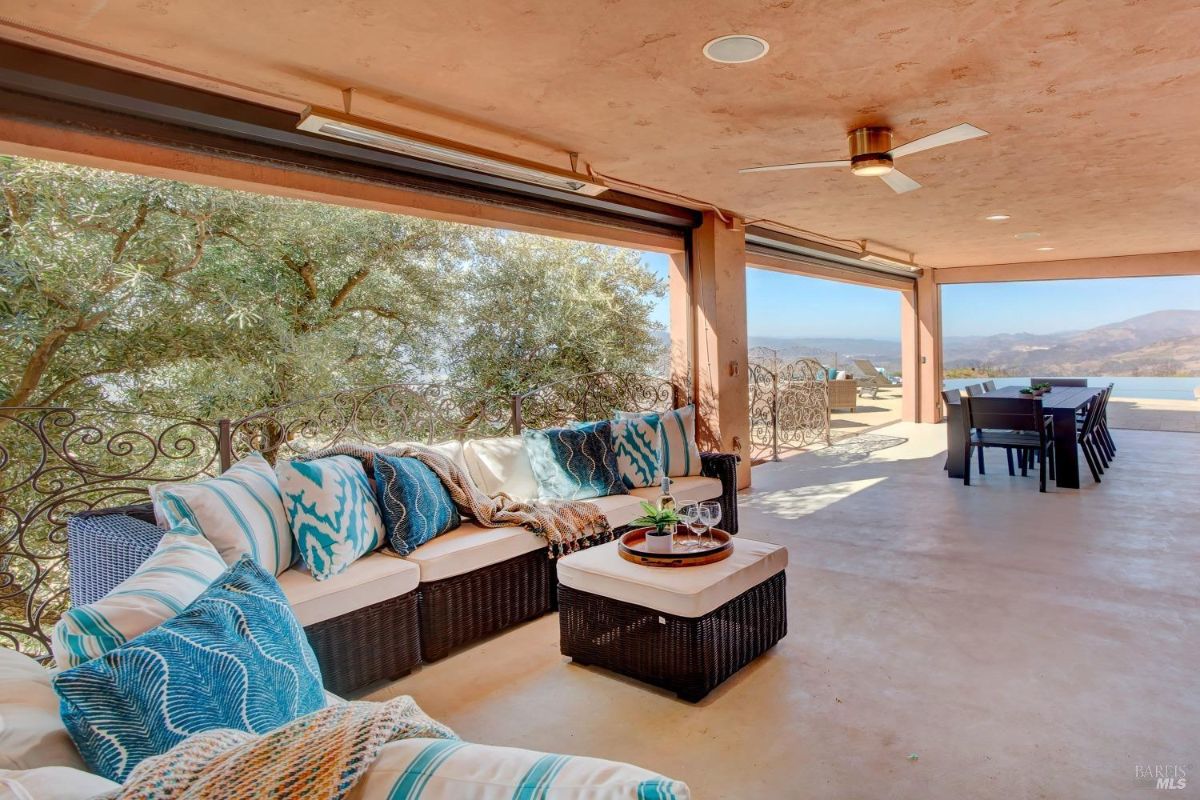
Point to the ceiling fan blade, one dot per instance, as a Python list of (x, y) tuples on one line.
[(899, 182), (959, 133), (803, 165)]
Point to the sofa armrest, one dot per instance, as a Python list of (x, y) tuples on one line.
[(723, 466), (105, 547)]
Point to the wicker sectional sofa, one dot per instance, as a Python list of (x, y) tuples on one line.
[(386, 614)]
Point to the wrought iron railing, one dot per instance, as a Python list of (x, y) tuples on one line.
[(789, 406), (58, 461)]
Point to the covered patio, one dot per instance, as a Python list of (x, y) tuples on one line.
[(942, 643), (933, 640)]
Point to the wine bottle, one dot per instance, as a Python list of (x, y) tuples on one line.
[(666, 500)]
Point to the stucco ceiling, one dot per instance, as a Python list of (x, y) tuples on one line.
[(1093, 105)]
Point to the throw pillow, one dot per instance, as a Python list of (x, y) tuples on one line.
[(416, 506), (574, 463), (182, 566), (447, 769), (636, 443), (332, 512), (235, 658), (240, 511), (679, 454)]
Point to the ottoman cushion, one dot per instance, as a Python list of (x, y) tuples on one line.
[(679, 591)]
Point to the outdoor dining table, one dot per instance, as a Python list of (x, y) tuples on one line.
[(1061, 402)]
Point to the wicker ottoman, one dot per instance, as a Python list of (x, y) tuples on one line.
[(685, 629)]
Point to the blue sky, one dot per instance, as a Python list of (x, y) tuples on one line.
[(779, 304)]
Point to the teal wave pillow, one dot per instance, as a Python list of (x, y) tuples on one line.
[(416, 506), (332, 512), (636, 443), (574, 463), (235, 658)]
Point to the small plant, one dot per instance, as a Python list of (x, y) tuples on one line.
[(657, 518)]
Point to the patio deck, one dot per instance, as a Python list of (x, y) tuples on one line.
[(1020, 645)]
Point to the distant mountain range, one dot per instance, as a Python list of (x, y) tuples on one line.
[(1163, 343)]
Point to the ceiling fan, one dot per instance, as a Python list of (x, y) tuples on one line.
[(872, 154)]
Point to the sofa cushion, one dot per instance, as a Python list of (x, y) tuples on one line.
[(574, 463), (470, 547), (31, 732), (451, 449), (685, 490), (240, 512), (447, 769), (52, 783), (415, 505), (619, 509), (332, 512), (637, 442), (235, 658), (501, 464), (369, 580), (182, 566), (691, 592)]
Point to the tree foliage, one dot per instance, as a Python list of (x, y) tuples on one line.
[(168, 297)]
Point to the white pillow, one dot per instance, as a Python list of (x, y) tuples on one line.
[(240, 512), (451, 449), (501, 464), (448, 769), (32, 733), (52, 783), (181, 567)]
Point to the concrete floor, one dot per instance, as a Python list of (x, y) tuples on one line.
[(1018, 645)]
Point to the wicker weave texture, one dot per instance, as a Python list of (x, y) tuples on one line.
[(379, 642), (106, 547), (688, 656), (723, 466), (465, 608)]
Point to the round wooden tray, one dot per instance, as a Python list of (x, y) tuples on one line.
[(632, 546)]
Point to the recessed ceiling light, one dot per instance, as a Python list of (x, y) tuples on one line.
[(737, 48), (1027, 235), (1045, 249), (997, 217)]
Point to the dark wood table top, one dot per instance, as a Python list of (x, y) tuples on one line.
[(1071, 397)]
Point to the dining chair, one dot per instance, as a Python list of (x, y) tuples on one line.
[(1088, 438), (1059, 381), (989, 386), (1014, 423), (978, 390)]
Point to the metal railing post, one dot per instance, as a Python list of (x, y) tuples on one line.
[(774, 416)]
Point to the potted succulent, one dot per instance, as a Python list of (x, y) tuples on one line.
[(660, 525)]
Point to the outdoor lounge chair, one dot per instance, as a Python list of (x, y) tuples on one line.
[(873, 379)]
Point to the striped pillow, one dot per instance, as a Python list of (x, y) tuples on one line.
[(637, 443), (241, 512), (447, 769), (176, 573), (679, 455)]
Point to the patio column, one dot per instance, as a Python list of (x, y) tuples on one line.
[(910, 358), (927, 337), (722, 387)]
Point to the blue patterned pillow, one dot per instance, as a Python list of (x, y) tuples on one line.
[(636, 443), (235, 658), (679, 454), (332, 512), (574, 463), (416, 506)]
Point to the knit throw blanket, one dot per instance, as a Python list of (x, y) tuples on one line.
[(319, 755), (566, 525)]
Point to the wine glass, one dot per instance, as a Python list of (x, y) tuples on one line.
[(710, 515), (695, 524)]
